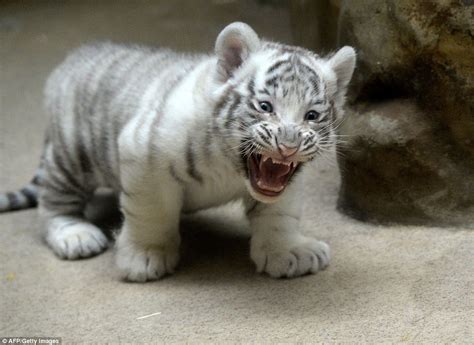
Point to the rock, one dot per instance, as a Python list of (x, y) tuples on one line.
[(314, 24), (410, 157), (397, 168)]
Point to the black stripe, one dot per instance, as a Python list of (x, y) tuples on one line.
[(36, 180), (276, 65), (267, 131), (289, 69), (262, 134), (52, 184), (102, 154), (265, 139), (311, 74), (315, 84), (309, 147), (56, 182), (80, 102), (207, 143), (253, 117), (272, 81), (14, 203), (114, 121), (308, 139), (59, 163), (230, 96), (172, 85), (31, 196), (84, 161), (87, 110), (214, 127), (221, 104), (230, 112), (251, 87), (244, 125), (70, 179), (307, 70), (243, 159), (173, 173), (311, 153), (191, 163), (251, 105)]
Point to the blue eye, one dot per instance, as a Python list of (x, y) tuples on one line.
[(311, 116), (266, 107)]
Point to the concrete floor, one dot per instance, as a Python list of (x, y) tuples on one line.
[(385, 284)]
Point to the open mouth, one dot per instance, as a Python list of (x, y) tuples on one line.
[(269, 176)]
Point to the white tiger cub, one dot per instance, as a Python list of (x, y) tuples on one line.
[(175, 133)]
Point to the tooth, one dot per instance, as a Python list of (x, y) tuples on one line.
[(265, 158)]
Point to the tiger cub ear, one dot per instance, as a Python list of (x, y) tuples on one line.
[(233, 46), (343, 64)]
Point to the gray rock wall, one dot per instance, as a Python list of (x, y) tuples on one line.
[(409, 156)]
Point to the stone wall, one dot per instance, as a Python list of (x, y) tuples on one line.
[(409, 156)]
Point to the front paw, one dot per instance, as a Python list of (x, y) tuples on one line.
[(145, 263), (291, 257), (76, 240)]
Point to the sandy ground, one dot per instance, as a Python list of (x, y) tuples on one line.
[(384, 285)]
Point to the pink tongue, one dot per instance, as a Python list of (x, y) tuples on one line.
[(270, 173)]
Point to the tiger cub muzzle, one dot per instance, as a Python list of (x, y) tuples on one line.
[(270, 175)]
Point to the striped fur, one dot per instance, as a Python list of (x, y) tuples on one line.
[(173, 133), (26, 197)]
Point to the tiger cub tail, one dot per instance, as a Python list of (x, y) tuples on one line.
[(25, 198)]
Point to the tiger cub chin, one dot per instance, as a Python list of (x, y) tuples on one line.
[(173, 133)]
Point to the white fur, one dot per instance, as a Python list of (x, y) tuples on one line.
[(72, 238), (156, 138)]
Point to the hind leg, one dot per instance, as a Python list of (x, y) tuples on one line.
[(69, 234)]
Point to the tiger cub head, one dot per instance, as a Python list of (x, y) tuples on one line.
[(277, 105)]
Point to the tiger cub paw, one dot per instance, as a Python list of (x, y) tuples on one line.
[(140, 264), (77, 240), (290, 258)]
